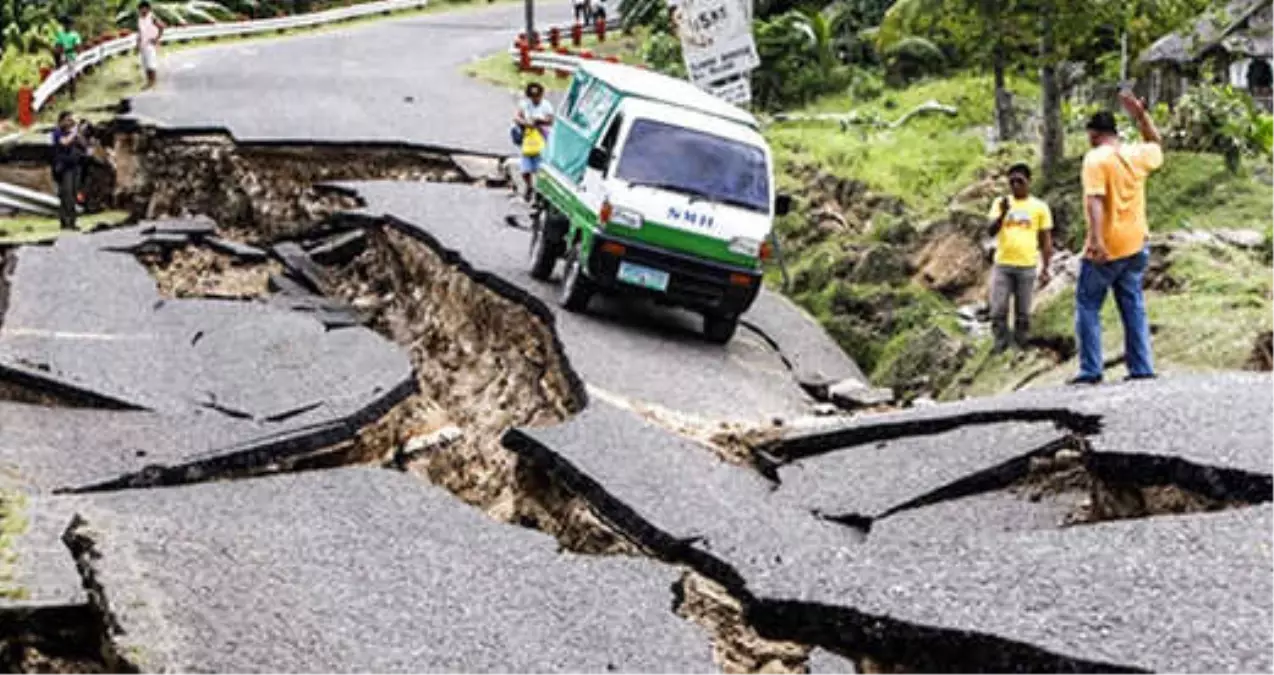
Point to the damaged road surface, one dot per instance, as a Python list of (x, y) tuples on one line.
[(937, 539), (365, 570)]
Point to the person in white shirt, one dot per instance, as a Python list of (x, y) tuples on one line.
[(534, 112), (149, 30)]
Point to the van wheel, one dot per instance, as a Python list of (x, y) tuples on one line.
[(719, 329), (547, 243), (577, 290)]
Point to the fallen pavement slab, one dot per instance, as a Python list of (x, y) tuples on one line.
[(1164, 594), (197, 576), (244, 253), (675, 497)]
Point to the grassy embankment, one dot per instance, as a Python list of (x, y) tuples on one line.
[(1207, 314)]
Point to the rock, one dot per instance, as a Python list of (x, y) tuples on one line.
[(301, 267), (830, 214), (340, 249), (951, 263), (430, 442), (824, 410), (880, 265), (478, 168), (924, 402), (1067, 456), (979, 193), (927, 359), (1262, 352), (243, 252), (1248, 239), (852, 394)]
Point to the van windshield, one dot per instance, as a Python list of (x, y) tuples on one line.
[(695, 163)]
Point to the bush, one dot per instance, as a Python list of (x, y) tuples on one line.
[(662, 52), (1222, 120)]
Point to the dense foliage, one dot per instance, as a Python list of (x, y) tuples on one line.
[(1221, 120)]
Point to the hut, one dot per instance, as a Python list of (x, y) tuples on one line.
[(1232, 46)]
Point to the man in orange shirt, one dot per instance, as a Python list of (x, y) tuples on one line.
[(1115, 254)]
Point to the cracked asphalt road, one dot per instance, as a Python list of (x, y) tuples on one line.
[(637, 351), (393, 80)]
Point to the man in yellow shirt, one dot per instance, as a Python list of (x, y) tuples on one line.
[(1022, 227), (1115, 253)]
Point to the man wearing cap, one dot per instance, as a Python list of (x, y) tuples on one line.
[(1115, 253)]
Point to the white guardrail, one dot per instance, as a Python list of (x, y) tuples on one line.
[(548, 60), (93, 56)]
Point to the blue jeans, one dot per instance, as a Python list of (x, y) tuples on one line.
[(1123, 276)]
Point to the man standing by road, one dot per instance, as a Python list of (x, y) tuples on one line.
[(69, 149), (66, 44), (533, 119), (149, 30), (1022, 226), (1115, 254)]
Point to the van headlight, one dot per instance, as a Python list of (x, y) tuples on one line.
[(625, 218), (745, 246)]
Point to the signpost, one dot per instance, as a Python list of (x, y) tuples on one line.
[(717, 44)]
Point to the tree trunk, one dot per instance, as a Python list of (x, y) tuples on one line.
[(1053, 141), (1003, 104)]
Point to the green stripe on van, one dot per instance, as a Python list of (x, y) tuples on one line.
[(652, 233)]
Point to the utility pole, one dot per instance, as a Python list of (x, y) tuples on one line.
[(530, 24)]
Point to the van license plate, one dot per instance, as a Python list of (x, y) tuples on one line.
[(640, 275)]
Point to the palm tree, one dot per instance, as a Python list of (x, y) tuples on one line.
[(902, 19)]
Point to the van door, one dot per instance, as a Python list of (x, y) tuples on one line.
[(593, 184)]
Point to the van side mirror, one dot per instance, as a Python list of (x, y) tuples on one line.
[(782, 205), (598, 159)]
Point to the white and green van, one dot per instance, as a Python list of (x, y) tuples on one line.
[(651, 186)]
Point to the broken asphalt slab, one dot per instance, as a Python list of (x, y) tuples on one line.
[(367, 570), (1164, 594), (634, 350), (673, 496), (45, 449), (94, 318), (813, 581), (868, 480)]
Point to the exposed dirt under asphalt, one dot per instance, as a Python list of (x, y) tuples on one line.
[(198, 272)]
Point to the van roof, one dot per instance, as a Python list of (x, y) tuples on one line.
[(670, 90)]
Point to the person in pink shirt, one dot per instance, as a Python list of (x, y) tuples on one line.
[(149, 30)]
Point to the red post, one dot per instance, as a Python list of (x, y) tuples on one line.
[(561, 74), (555, 37), (26, 116), (586, 54), (524, 57), (577, 34), (601, 29), (44, 72)]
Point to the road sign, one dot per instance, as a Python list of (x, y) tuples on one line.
[(736, 90), (716, 39)]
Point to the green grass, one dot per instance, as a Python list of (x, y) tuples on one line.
[(33, 229), (498, 68), (1209, 323), (1196, 191), (923, 162)]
